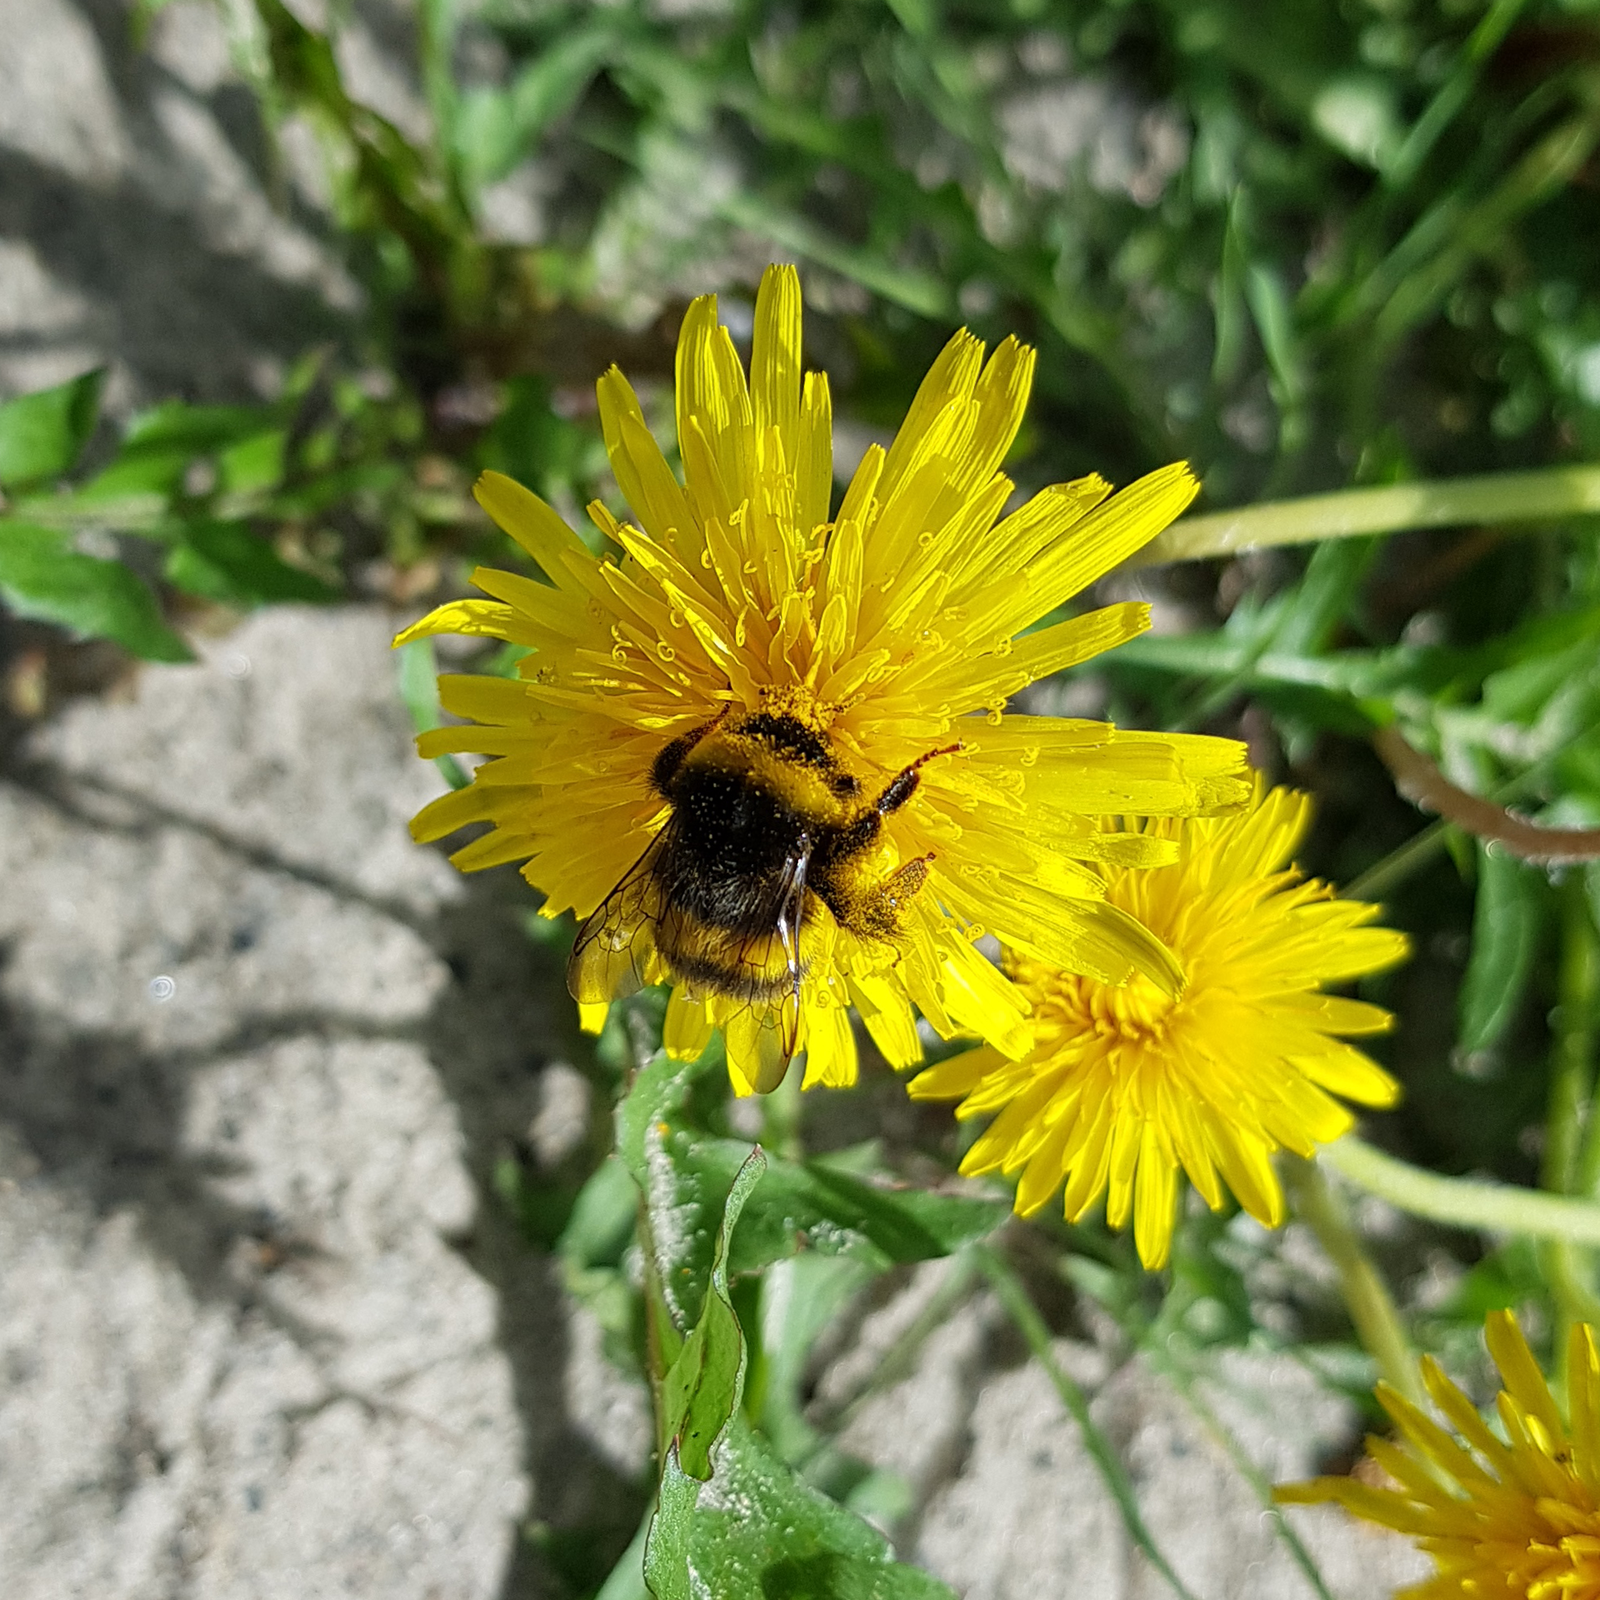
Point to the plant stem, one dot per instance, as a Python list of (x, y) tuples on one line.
[(781, 1113), (1372, 1309), (1463, 1202), (1183, 1382), (1538, 496), (1571, 1137), (1399, 864), (1018, 1304)]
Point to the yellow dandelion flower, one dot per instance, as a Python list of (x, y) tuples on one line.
[(1123, 1086), (1504, 1518), (763, 747)]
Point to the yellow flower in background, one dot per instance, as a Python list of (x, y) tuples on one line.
[(1124, 1086), (764, 748), (1513, 1515)]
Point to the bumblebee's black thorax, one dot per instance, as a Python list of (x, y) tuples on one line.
[(761, 804), (743, 794), (731, 839)]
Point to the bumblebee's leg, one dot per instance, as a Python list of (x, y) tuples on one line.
[(863, 832), (670, 756), (904, 784), (879, 910)]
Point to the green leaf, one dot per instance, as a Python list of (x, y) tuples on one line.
[(225, 561), (1270, 305), (817, 1206), (755, 1531), (1505, 936), (593, 1247), (600, 1225), (799, 1299), (1356, 114), (42, 434), (134, 487), (254, 463), (921, 292), (1507, 1277), (1316, 605), (703, 1386), (796, 1206), (495, 128), (195, 430), (42, 576), (627, 1577)]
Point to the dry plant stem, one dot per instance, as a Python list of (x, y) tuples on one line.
[(1421, 782), (1366, 1296), (1501, 497)]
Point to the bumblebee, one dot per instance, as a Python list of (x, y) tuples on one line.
[(765, 822)]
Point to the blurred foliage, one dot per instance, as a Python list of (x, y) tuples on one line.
[(1306, 247)]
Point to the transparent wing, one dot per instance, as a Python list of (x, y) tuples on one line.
[(758, 1052), (611, 955), (764, 1033), (791, 907)]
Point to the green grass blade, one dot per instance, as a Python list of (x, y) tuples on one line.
[(1019, 1306), (1538, 496)]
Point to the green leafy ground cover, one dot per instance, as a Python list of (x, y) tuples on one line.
[(1313, 249)]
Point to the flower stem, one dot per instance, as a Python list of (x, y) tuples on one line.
[(1572, 1142), (1463, 1202), (1372, 1309), (1538, 496), (781, 1118), (1575, 1027)]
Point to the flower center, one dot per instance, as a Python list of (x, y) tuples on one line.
[(1569, 1570), (1137, 1013)]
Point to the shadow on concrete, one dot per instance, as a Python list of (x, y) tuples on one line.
[(104, 1115), (191, 322)]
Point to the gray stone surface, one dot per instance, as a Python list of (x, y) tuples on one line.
[(258, 1335), (135, 223), (1008, 1504)]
